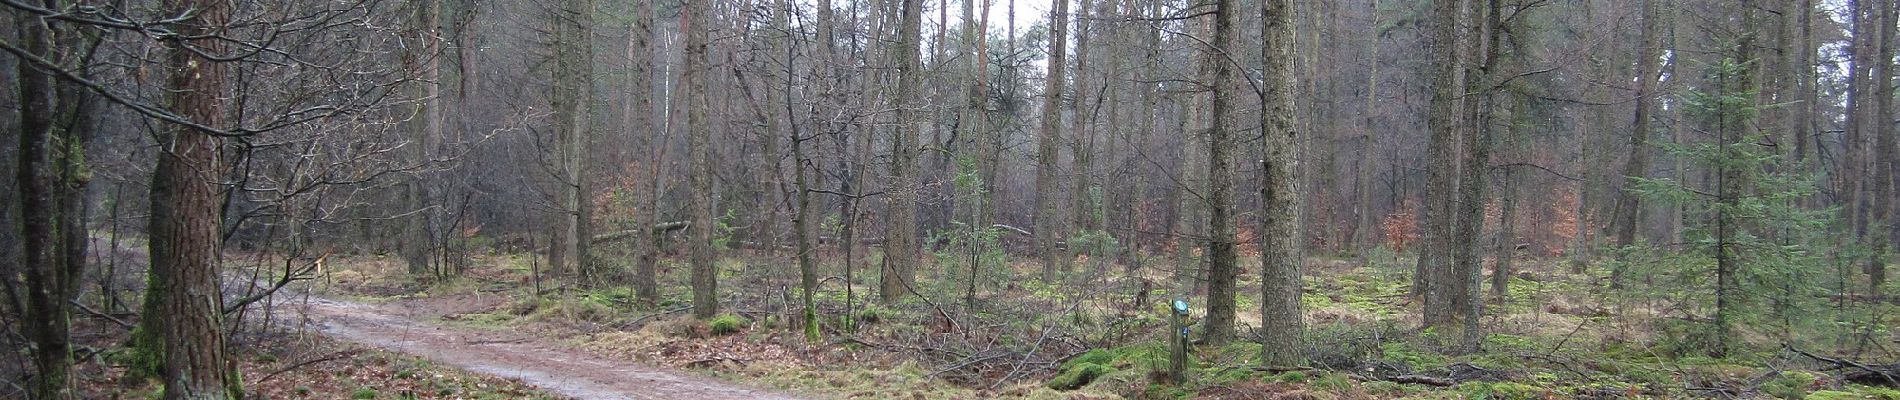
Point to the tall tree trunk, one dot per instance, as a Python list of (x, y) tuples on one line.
[(1648, 62), (1221, 252), (1363, 232), (1081, 209), (577, 137), (1282, 323), (184, 333), (1048, 229), (901, 247), (694, 75), (1506, 242), (1880, 184), (640, 117), (1433, 273), (1467, 255), (1859, 111), (424, 126), (50, 275)]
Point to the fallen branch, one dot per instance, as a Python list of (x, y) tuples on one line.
[(95, 313), (696, 363), (1868, 375), (637, 321), (659, 228), (332, 357), (291, 274), (1424, 380), (1024, 232)]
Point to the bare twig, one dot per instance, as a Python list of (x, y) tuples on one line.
[(332, 357)]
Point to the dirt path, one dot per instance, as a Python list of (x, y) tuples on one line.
[(541, 364)]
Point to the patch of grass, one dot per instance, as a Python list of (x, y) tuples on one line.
[(363, 394), (1503, 391), (726, 324)]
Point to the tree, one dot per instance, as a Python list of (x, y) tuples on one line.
[(640, 120), (901, 248), (50, 179), (1433, 274), (1732, 113), (1282, 321), (1648, 66), (573, 113), (1221, 251), (185, 335), (1047, 184), (1460, 291), (693, 81), (1880, 190), (425, 126)]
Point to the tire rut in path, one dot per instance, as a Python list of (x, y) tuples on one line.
[(545, 366)]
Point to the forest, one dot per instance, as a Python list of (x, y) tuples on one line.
[(949, 199)]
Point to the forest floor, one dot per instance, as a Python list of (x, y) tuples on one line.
[(1557, 335), (366, 329)]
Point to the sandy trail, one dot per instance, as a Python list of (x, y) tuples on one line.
[(531, 360)]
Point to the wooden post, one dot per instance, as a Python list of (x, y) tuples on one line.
[(1177, 347)]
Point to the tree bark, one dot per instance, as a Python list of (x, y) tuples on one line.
[(1880, 185), (184, 332), (1047, 181), (1283, 323), (44, 179), (1648, 62), (1221, 251), (424, 125), (901, 251), (1433, 273), (640, 57), (693, 78), (573, 112), (1364, 234), (1468, 255)]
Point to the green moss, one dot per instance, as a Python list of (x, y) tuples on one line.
[(1230, 375), (1333, 382), (1789, 385), (1292, 377), (1502, 391), (1412, 356), (1835, 395), (1166, 392), (1384, 389), (1873, 392), (363, 394), (1078, 376), (1097, 356), (726, 324)]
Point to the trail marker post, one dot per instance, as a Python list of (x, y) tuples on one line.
[(1177, 345)]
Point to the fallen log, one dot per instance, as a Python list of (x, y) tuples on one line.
[(660, 228), (1424, 380), (1864, 298), (1864, 373)]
